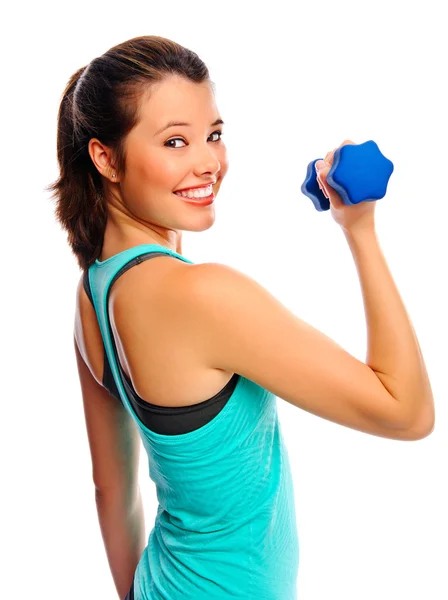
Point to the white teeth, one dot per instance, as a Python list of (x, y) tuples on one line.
[(198, 193)]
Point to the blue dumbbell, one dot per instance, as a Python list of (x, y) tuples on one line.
[(359, 173)]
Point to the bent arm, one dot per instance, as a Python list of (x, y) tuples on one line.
[(393, 350)]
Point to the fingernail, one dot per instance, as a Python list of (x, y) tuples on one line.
[(319, 164)]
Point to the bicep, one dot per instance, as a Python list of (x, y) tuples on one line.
[(113, 437), (243, 328)]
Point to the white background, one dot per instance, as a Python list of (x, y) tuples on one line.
[(293, 80)]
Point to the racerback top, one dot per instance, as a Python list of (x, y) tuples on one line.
[(225, 526)]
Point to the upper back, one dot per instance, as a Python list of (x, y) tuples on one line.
[(162, 364)]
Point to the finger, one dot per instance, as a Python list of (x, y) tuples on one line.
[(345, 142), (330, 156), (322, 165), (323, 186)]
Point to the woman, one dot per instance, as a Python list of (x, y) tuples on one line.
[(190, 358)]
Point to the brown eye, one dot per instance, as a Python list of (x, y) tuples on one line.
[(172, 140), (182, 140), (220, 134)]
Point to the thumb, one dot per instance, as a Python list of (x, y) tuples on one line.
[(321, 164)]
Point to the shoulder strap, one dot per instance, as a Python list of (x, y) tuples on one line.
[(86, 284), (97, 281), (108, 380)]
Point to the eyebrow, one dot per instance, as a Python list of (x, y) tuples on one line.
[(182, 124)]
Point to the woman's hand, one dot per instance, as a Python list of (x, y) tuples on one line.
[(349, 217)]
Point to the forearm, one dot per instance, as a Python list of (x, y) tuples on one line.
[(393, 349), (123, 531)]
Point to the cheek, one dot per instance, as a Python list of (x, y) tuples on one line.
[(155, 168), (149, 166), (160, 170)]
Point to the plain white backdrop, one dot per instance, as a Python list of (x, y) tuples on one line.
[(293, 81)]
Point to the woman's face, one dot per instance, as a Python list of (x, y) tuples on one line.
[(180, 156)]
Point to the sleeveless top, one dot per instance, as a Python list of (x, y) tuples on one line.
[(225, 524), (161, 419)]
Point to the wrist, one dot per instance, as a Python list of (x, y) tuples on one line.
[(353, 234)]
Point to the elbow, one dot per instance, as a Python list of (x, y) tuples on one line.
[(425, 431), (421, 428), (417, 426)]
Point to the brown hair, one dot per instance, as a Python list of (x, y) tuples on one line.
[(101, 100)]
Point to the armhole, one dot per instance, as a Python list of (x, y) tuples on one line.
[(108, 380)]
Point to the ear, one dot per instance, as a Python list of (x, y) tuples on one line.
[(101, 156)]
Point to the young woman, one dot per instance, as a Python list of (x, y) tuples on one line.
[(190, 358)]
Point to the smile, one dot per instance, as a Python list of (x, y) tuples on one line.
[(197, 193), (197, 200)]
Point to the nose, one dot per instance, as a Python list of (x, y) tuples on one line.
[(207, 162)]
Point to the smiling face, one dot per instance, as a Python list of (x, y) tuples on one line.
[(161, 160)]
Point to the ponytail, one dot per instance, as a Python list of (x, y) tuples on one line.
[(80, 206)]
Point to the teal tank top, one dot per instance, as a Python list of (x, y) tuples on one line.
[(225, 526)]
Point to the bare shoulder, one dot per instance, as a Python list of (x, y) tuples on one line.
[(153, 331), (135, 289), (239, 326), (146, 290)]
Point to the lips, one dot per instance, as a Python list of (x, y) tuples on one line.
[(198, 201), (198, 187)]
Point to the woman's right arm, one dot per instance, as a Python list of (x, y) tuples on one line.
[(235, 324), (393, 351)]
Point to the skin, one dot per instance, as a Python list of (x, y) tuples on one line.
[(142, 208)]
